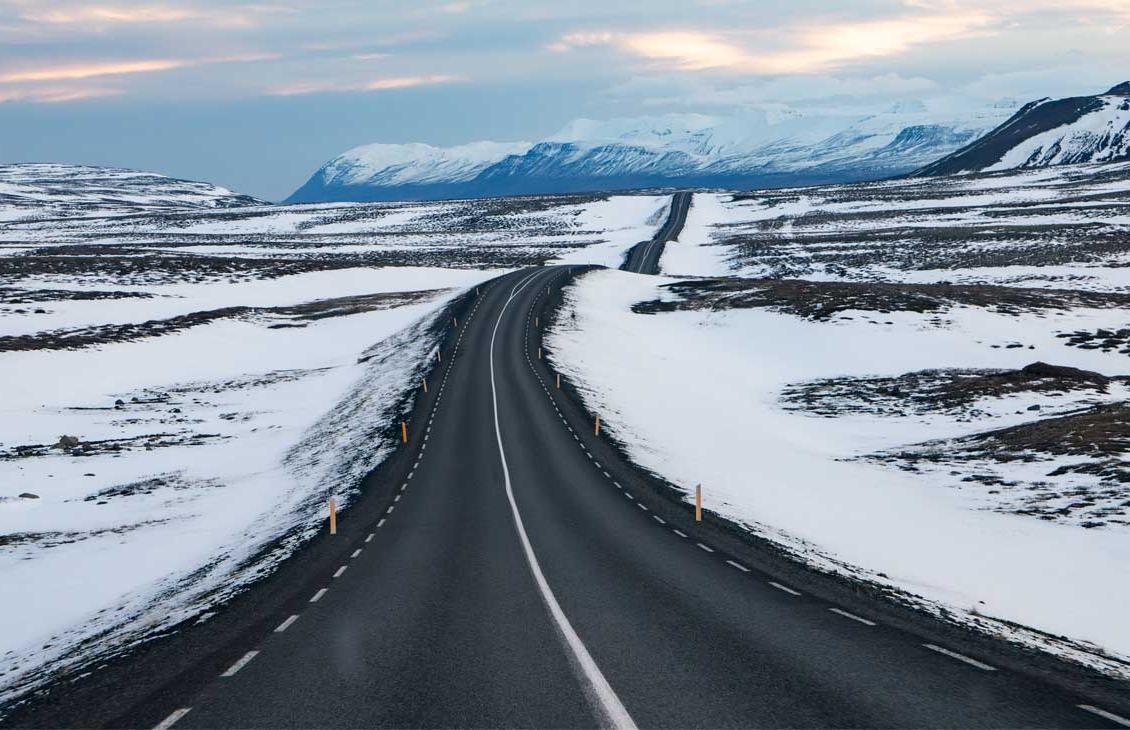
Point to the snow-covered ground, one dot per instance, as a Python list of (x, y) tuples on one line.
[(219, 373), (1064, 226), (695, 397), (856, 390)]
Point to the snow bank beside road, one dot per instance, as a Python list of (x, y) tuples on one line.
[(693, 395), (230, 436)]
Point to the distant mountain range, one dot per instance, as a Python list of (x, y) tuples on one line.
[(34, 191), (758, 149), (1049, 132)]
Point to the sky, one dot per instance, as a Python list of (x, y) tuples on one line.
[(255, 96)]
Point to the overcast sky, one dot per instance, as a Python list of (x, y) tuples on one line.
[(256, 95)]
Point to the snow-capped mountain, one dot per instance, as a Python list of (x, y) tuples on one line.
[(1049, 132), (759, 148), (39, 190)]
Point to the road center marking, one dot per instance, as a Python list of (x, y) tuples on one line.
[(286, 624), (243, 660), (171, 720), (852, 616), (786, 589), (960, 657)]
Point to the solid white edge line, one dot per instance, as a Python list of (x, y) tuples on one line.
[(610, 705), (738, 565), (171, 720), (243, 660), (286, 624), (786, 589), (1118, 719), (852, 616), (317, 596), (960, 657)]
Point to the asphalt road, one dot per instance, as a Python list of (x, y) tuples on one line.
[(510, 569), (643, 258)]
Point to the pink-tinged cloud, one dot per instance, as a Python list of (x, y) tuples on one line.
[(95, 15), (385, 84), (72, 72), (53, 95), (808, 48)]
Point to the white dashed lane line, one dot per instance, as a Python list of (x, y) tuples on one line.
[(243, 660), (318, 596), (286, 624), (1116, 719), (381, 523), (707, 548), (739, 566), (337, 574), (679, 533), (355, 553), (369, 536), (171, 720), (659, 519), (786, 589), (852, 616), (960, 657)]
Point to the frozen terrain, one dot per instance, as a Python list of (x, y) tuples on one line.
[(187, 384), (1049, 132), (31, 191), (919, 384)]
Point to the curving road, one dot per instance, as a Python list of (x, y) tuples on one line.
[(643, 258), (510, 569)]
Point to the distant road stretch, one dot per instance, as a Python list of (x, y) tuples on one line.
[(643, 258)]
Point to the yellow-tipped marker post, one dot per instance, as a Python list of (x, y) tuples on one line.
[(698, 503), (596, 428), (333, 516), (404, 432)]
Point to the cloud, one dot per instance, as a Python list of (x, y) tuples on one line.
[(385, 84), (71, 72), (90, 70), (53, 95), (815, 48), (100, 16)]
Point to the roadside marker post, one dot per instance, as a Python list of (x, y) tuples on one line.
[(559, 381), (456, 321), (539, 353), (425, 382), (698, 503), (404, 432), (596, 428), (333, 516), (439, 355)]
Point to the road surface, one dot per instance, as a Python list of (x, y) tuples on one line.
[(509, 569), (643, 258)]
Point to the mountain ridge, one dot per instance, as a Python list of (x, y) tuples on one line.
[(1048, 132), (761, 148)]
